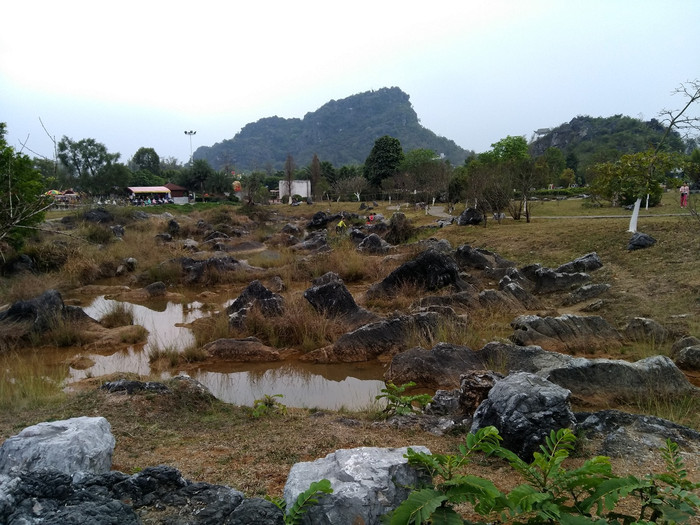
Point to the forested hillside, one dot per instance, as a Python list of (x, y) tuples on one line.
[(588, 140), (341, 132)]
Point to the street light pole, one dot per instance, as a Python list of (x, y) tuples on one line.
[(190, 133)]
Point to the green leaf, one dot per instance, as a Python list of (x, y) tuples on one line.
[(418, 507), (306, 499)]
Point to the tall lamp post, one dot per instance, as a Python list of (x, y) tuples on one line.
[(190, 133)]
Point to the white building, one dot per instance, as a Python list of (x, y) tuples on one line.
[(299, 187)]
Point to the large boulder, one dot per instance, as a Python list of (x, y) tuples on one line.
[(619, 434), (400, 229), (255, 295), (686, 353), (441, 367), (469, 217), (157, 495), (373, 244), (525, 408), (430, 270), (376, 340), (367, 482), (330, 297), (567, 333), (615, 380), (68, 446), (39, 313), (641, 329), (316, 241), (639, 241)]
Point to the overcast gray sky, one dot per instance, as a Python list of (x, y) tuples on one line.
[(134, 74)]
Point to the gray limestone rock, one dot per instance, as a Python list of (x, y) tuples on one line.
[(367, 482)]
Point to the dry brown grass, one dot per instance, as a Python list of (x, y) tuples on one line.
[(219, 443)]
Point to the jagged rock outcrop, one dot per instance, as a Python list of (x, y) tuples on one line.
[(246, 350), (469, 217), (566, 333), (686, 353), (330, 297), (374, 244), (316, 241), (255, 295), (480, 258), (376, 340), (195, 271), (440, 367), (607, 380), (586, 293), (430, 270), (40, 313), (525, 408), (585, 263), (367, 483), (619, 434), (547, 280)]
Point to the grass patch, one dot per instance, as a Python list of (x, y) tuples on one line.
[(120, 314), (26, 382)]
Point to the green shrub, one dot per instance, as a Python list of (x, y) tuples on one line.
[(550, 494), (400, 404)]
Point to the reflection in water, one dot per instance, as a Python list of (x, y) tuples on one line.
[(304, 385), (160, 321), (300, 387)]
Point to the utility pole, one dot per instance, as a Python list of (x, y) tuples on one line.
[(190, 133)]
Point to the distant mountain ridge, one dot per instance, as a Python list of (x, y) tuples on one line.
[(341, 132)]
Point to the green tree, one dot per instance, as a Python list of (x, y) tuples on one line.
[(22, 203), (254, 190), (624, 181), (83, 161), (199, 173), (510, 148), (384, 160), (146, 159), (145, 178), (114, 178)]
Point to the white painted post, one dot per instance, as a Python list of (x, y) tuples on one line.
[(635, 216)]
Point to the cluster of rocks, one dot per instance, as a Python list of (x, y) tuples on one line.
[(59, 472)]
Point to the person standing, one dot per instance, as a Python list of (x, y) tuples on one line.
[(685, 190)]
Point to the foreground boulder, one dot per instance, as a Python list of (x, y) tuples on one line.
[(73, 445), (525, 408), (156, 495), (367, 482)]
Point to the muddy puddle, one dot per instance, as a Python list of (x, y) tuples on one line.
[(305, 385)]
